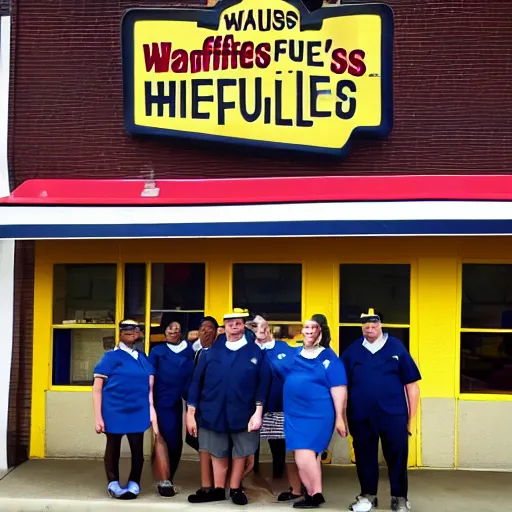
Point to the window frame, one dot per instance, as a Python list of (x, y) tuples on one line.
[(475, 397), (119, 308)]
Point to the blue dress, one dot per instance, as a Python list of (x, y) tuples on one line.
[(308, 406), (125, 395), (173, 374)]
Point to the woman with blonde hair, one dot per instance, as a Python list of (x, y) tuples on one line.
[(314, 399)]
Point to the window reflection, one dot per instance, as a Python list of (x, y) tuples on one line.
[(273, 290), (385, 287), (84, 293), (487, 296), (76, 352), (486, 363), (177, 295)]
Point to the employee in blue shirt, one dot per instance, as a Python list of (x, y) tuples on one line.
[(173, 362), (383, 397), (229, 389), (122, 398), (207, 336), (314, 400)]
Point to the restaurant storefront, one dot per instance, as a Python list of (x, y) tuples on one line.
[(132, 200)]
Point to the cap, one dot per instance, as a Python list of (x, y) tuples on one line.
[(128, 325), (370, 317), (237, 313)]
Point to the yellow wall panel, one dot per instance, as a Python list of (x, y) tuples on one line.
[(437, 325)]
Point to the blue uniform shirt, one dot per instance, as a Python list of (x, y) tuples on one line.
[(227, 384), (280, 351), (376, 382), (173, 374), (125, 396)]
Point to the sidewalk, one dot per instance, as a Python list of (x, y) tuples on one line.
[(79, 486)]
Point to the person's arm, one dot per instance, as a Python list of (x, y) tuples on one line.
[(102, 372), (152, 412), (337, 379), (413, 397), (410, 375), (97, 392), (339, 399), (262, 392)]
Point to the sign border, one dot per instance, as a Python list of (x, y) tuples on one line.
[(210, 18)]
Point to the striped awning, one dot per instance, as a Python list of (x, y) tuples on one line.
[(260, 207)]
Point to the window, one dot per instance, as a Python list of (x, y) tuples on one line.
[(384, 287), (84, 309), (76, 352), (486, 329), (177, 294), (84, 294), (273, 290)]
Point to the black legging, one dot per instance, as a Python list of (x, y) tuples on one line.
[(174, 459), (278, 450), (113, 454)]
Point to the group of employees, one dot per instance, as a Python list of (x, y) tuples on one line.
[(242, 386)]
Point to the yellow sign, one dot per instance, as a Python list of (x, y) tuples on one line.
[(260, 72)]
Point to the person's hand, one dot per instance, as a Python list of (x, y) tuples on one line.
[(409, 431), (154, 420), (341, 427), (99, 425), (255, 422), (191, 424)]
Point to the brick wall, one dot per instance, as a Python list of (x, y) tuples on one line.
[(18, 429), (453, 108)]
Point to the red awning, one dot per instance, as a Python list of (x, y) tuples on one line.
[(261, 190)]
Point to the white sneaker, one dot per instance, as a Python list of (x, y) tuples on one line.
[(400, 504), (364, 503)]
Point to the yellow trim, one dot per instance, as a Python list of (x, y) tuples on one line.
[(485, 397), (390, 326), (86, 389), (119, 297), (84, 326), (497, 331), (41, 358), (147, 310)]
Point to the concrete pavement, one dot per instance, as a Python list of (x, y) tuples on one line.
[(80, 486)]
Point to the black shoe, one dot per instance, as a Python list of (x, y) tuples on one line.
[(166, 489), (310, 501), (288, 496), (207, 495), (128, 496), (238, 497)]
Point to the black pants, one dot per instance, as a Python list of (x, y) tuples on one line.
[(113, 454), (278, 450), (174, 459), (392, 431)]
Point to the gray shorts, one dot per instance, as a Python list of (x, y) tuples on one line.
[(217, 443)]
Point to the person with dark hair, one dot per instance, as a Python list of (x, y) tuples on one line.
[(228, 391), (383, 397), (207, 336), (314, 399), (173, 362), (122, 399)]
